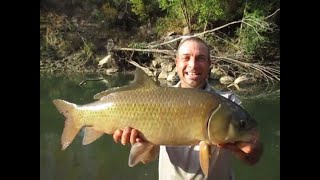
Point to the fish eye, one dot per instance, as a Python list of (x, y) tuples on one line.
[(242, 123)]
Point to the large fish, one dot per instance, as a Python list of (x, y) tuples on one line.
[(163, 115)]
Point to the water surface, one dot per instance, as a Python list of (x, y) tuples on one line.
[(103, 159)]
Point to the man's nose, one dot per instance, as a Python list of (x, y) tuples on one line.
[(192, 63)]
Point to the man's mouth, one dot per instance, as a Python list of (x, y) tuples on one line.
[(192, 73)]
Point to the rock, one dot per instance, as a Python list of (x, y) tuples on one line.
[(242, 81), (156, 73), (105, 60), (186, 31), (167, 66), (226, 80), (111, 70), (163, 75), (172, 76), (216, 73), (155, 63)]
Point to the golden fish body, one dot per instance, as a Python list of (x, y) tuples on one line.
[(162, 115), (166, 116)]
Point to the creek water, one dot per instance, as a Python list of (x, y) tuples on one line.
[(103, 159)]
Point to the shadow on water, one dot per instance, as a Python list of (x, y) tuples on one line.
[(103, 159)]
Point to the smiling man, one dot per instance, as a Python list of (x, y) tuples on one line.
[(193, 66), (193, 62)]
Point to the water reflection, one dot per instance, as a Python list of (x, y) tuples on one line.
[(103, 159)]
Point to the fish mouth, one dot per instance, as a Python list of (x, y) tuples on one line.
[(251, 137)]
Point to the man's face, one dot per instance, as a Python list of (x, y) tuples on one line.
[(192, 64)]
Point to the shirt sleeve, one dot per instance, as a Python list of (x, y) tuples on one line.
[(234, 98)]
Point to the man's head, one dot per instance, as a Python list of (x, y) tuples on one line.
[(193, 62)]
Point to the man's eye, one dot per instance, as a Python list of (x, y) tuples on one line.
[(201, 58)]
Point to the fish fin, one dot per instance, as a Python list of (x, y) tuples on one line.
[(90, 135), (106, 92), (214, 155), (71, 126), (143, 152), (204, 157), (141, 81), (151, 155), (101, 94)]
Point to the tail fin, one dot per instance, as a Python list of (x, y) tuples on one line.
[(71, 126)]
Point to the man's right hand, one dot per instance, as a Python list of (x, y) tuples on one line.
[(126, 136)]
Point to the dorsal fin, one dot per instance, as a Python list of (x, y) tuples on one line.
[(141, 81)]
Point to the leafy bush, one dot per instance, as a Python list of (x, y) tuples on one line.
[(165, 25), (252, 35)]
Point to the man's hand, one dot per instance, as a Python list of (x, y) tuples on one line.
[(126, 136), (248, 152)]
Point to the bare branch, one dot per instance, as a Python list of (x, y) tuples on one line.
[(197, 34), (255, 30), (163, 51), (273, 14), (268, 73), (147, 70)]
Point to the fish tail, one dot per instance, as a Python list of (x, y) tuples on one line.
[(71, 124)]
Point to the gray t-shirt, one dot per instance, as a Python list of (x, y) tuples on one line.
[(181, 163)]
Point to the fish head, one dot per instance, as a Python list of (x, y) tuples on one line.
[(230, 123)]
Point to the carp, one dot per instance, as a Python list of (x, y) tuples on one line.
[(167, 116)]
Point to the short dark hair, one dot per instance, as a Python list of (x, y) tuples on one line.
[(195, 39)]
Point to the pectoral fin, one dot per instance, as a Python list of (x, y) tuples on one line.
[(204, 155), (90, 135), (143, 152)]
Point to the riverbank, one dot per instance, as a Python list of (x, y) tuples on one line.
[(74, 40)]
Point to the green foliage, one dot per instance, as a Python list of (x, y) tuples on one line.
[(106, 15), (145, 9), (197, 13), (165, 25), (138, 7), (109, 12), (87, 50), (208, 10), (252, 35), (53, 43), (138, 45)]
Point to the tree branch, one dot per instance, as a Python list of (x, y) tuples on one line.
[(197, 34), (164, 51)]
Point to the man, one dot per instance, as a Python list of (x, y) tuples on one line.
[(193, 66)]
